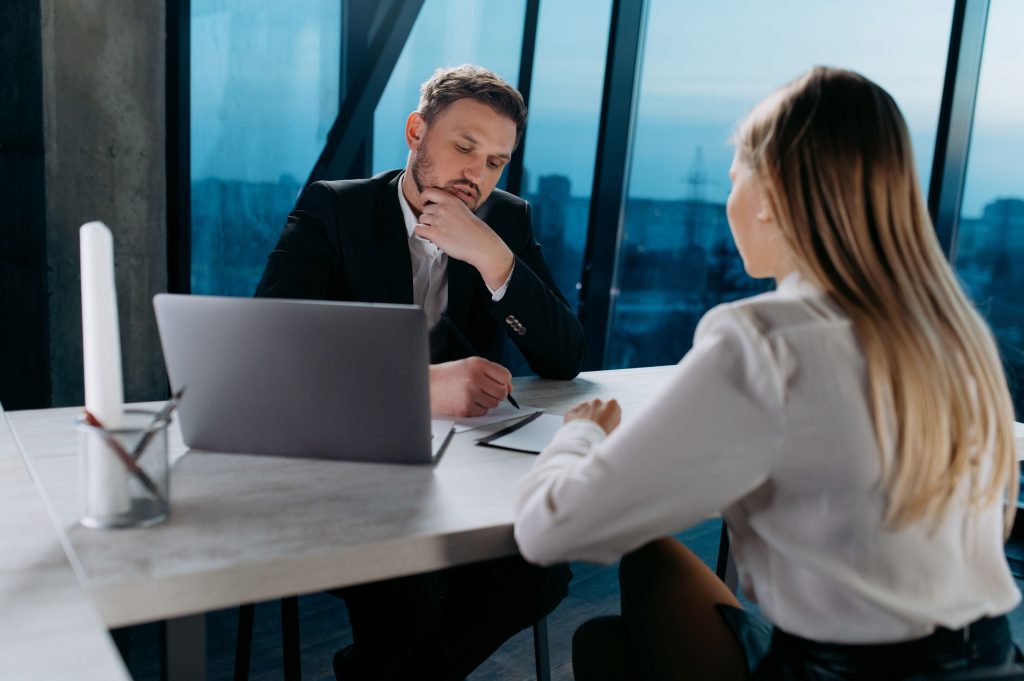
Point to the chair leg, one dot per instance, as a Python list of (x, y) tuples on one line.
[(243, 641), (540, 649), (290, 638), (725, 567)]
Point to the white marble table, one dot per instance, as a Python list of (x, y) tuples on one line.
[(250, 528), (50, 628)]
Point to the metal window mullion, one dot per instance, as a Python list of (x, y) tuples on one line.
[(611, 173), (355, 115), (359, 20), (515, 167), (956, 119)]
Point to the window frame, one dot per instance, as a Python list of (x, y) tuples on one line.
[(384, 26)]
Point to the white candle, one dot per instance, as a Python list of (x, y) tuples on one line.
[(101, 345)]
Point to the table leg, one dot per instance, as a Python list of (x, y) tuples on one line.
[(184, 643), (123, 641), (290, 638), (726, 568), (243, 641)]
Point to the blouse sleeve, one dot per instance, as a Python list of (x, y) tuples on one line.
[(707, 438)]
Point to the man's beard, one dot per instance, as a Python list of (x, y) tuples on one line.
[(423, 176)]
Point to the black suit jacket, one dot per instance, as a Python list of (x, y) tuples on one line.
[(346, 240)]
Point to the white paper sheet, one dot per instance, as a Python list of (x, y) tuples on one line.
[(502, 412)]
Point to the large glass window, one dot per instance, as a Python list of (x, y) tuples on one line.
[(705, 65), (990, 247), (561, 141), (264, 93), (446, 33)]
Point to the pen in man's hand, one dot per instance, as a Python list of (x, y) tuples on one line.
[(468, 347)]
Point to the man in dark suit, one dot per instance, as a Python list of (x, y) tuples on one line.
[(439, 235)]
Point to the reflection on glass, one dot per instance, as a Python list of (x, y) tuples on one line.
[(264, 77), (990, 245), (704, 67), (446, 33), (561, 142), (565, 103)]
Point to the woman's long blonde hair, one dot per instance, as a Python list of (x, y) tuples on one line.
[(833, 154)]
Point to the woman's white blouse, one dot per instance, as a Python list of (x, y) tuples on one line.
[(767, 420)]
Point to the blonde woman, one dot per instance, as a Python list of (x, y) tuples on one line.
[(853, 427)]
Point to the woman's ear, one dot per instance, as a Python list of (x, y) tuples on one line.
[(765, 214)]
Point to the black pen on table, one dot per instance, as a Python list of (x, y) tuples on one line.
[(464, 342)]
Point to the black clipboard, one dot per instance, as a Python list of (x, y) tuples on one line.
[(488, 441)]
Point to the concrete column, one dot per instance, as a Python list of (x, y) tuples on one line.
[(104, 122)]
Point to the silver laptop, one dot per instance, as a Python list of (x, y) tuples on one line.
[(299, 378)]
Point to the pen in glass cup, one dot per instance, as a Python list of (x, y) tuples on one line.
[(161, 416), (468, 347), (125, 457)]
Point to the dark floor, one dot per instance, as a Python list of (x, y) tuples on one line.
[(324, 629)]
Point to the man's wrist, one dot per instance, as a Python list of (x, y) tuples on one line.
[(497, 272)]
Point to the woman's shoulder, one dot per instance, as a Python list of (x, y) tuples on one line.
[(775, 313), (774, 337)]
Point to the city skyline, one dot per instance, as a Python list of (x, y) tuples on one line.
[(676, 260)]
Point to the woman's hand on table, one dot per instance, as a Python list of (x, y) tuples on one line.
[(605, 414)]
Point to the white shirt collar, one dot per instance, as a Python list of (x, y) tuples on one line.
[(410, 218), (795, 284)]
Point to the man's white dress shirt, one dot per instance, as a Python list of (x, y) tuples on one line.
[(768, 419)]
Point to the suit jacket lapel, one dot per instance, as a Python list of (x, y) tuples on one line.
[(393, 241), (462, 281)]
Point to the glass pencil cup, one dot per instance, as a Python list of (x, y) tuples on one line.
[(125, 479)]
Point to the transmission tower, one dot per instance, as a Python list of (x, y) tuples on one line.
[(696, 181)]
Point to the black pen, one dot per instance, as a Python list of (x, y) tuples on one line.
[(468, 347)]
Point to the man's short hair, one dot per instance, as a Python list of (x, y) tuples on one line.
[(449, 85)]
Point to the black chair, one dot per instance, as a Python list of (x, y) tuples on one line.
[(291, 650), (1016, 673), (289, 639), (725, 568)]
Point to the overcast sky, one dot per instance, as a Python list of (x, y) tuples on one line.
[(265, 73)]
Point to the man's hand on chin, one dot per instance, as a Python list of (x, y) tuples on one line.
[(467, 387), (449, 224)]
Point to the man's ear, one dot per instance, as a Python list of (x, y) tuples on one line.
[(415, 129)]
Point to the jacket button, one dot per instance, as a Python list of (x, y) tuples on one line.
[(515, 324)]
